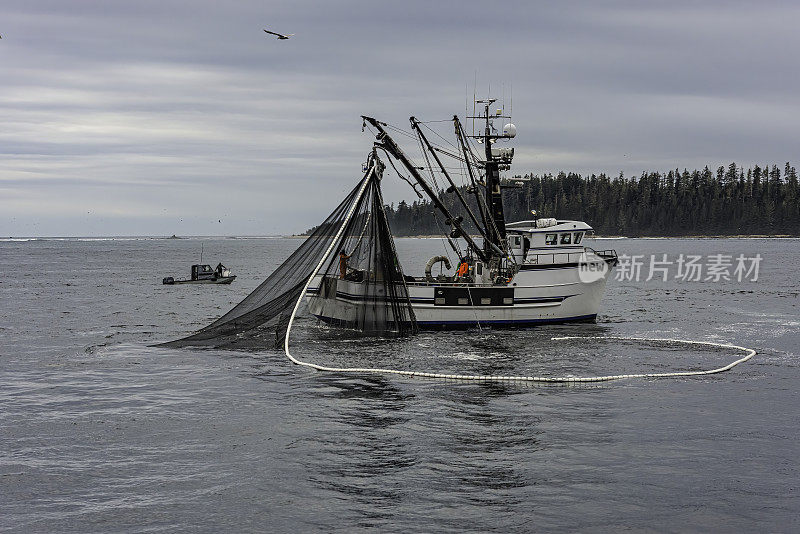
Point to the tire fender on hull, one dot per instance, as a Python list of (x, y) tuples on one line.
[(433, 261)]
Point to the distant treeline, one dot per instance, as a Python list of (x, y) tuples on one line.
[(730, 201)]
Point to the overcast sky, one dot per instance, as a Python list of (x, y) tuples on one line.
[(161, 117)]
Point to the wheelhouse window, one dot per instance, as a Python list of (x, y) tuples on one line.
[(566, 238), (551, 239), (516, 241), (578, 237)]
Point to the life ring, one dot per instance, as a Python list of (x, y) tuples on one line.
[(431, 262)]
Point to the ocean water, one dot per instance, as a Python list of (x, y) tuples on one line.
[(100, 432)]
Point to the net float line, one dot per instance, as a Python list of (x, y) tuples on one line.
[(749, 353)]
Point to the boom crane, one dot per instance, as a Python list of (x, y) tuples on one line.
[(386, 142)]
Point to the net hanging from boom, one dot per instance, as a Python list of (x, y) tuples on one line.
[(357, 282)]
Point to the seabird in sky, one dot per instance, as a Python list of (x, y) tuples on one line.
[(279, 35)]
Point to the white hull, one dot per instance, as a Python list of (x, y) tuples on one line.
[(538, 293)]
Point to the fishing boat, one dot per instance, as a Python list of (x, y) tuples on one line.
[(347, 272), (204, 274), (523, 273)]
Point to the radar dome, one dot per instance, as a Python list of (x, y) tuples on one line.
[(509, 130)]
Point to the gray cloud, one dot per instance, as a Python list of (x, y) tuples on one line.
[(166, 117)]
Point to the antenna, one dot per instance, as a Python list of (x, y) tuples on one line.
[(474, 98), (201, 253)]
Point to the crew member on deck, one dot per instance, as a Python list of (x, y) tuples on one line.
[(343, 264)]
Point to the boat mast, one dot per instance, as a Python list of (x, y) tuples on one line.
[(494, 197), (468, 157)]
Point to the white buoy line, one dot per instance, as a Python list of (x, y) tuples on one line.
[(749, 353)]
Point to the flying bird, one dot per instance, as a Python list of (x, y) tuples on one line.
[(279, 35)]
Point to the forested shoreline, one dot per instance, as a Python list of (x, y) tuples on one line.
[(731, 201)]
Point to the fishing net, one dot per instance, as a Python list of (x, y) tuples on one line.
[(358, 281), (361, 286)]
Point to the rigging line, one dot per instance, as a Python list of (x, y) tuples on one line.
[(471, 148), (437, 134), (389, 157), (461, 198), (391, 127), (449, 154), (480, 200), (465, 149), (440, 145), (429, 167), (363, 232), (446, 236), (396, 129), (463, 173), (431, 170), (441, 191), (474, 310), (413, 135), (444, 150), (470, 143), (390, 144), (457, 170), (400, 131)]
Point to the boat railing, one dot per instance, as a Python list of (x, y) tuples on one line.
[(610, 255), (426, 283), (560, 258)]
